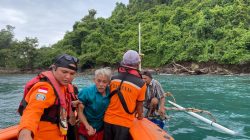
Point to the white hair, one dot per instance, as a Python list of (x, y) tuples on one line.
[(104, 72)]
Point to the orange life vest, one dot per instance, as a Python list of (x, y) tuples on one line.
[(51, 114)]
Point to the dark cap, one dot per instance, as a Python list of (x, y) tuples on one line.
[(65, 60)]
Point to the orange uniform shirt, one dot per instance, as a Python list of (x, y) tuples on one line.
[(40, 97), (133, 90)]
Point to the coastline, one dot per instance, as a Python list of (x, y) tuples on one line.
[(192, 68), (183, 68)]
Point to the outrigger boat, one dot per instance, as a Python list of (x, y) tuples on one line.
[(210, 122)]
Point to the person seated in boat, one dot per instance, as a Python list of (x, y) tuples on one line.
[(127, 90), (154, 103), (46, 105), (95, 99)]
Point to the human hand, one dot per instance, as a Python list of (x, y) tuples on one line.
[(75, 103), (72, 118), (90, 130), (25, 134), (161, 111), (140, 116)]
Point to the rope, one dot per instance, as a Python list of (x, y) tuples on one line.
[(169, 94), (193, 110), (188, 109)]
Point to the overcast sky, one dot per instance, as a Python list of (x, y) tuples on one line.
[(48, 20)]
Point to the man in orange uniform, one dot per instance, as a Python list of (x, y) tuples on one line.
[(128, 93), (47, 104)]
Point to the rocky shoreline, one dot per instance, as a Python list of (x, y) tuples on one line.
[(183, 68), (192, 68)]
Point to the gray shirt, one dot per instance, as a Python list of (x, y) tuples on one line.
[(154, 89)]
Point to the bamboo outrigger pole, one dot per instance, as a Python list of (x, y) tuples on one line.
[(140, 43), (212, 123)]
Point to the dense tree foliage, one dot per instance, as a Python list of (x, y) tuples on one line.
[(172, 30)]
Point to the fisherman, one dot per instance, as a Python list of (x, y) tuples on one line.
[(155, 96), (95, 100), (127, 96), (46, 105)]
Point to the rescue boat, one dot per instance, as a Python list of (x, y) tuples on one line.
[(141, 130), (9, 133)]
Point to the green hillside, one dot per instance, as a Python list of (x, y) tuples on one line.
[(172, 30)]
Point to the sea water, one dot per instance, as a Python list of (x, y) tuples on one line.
[(226, 97)]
